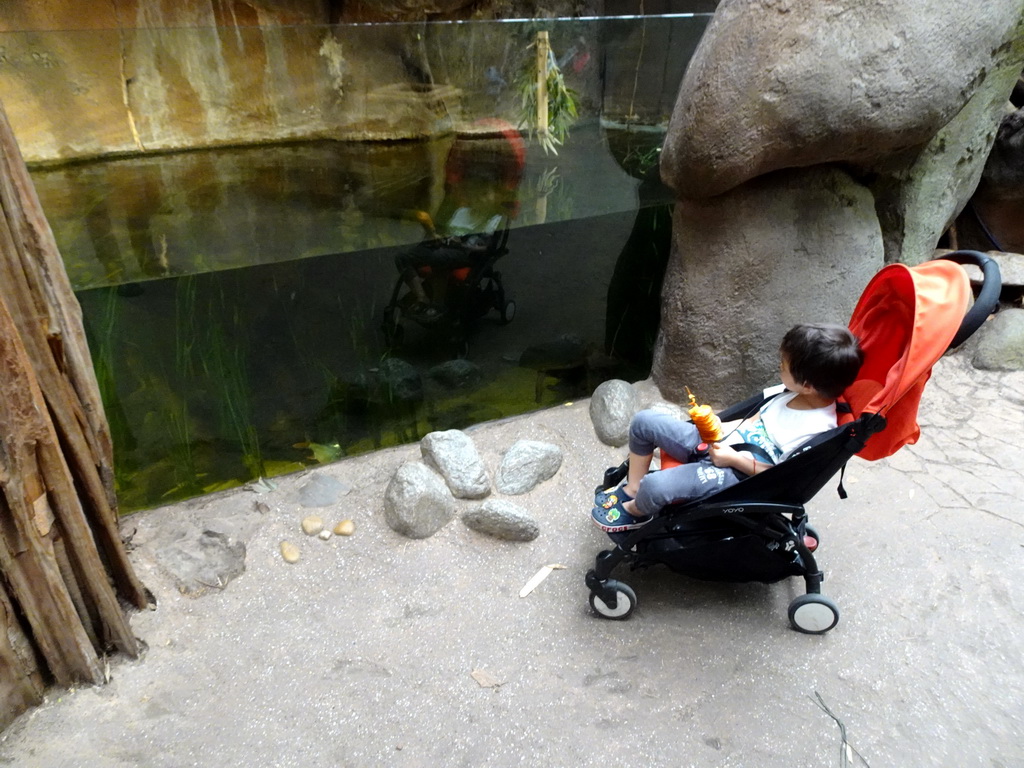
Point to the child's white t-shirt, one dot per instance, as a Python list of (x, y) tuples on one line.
[(780, 430), (789, 427)]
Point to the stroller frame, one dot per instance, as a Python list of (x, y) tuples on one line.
[(764, 515), (467, 298)]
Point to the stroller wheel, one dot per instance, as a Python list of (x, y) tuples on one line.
[(508, 311), (813, 614), (625, 601)]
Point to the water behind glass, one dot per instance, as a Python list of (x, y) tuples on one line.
[(233, 298), (139, 218)]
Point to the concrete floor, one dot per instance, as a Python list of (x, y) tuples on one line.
[(364, 652)]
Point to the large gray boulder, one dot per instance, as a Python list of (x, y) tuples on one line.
[(453, 454), (762, 266), (1001, 342), (502, 520), (416, 503), (792, 83), (612, 406), (812, 142), (526, 464), (919, 194)]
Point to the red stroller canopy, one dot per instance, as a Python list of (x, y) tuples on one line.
[(905, 320)]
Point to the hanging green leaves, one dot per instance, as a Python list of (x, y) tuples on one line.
[(562, 109)]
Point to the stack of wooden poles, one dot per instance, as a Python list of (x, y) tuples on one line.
[(65, 579)]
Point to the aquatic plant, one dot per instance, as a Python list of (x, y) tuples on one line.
[(226, 366), (186, 471), (640, 160), (101, 344), (185, 325), (208, 354)]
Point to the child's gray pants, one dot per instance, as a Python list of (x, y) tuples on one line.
[(649, 430)]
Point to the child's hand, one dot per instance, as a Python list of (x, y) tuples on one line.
[(724, 456)]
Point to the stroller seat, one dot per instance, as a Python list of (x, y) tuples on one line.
[(758, 529)]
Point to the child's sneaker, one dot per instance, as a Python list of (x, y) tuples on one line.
[(617, 493), (610, 517)]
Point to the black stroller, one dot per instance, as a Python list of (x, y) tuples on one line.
[(470, 293), (757, 530)]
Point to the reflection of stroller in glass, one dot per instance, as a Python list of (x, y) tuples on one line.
[(448, 281), (757, 530)]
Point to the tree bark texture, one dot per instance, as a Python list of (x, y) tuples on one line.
[(64, 568)]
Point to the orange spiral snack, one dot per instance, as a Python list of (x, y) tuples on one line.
[(708, 424)]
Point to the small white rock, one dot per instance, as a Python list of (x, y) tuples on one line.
[(312, 525), (325, 534), (289, 552)]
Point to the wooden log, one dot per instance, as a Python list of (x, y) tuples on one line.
[(27, 559), (21, 681), (64, 498), (62, 561), (72, 581), (49, 320)]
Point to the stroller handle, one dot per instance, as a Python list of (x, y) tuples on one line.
[(988, 297)]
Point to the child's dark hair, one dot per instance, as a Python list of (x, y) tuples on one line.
[(826, 357)]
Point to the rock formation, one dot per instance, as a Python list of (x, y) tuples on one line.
[(151, 75), (811, 143)]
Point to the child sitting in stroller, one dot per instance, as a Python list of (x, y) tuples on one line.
[(818, 362)]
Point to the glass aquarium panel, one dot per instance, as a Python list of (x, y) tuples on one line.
[(214, 379), (244, 305)]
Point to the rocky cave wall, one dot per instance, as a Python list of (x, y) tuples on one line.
[(135, 76)]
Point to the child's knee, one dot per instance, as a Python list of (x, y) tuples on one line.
[(641, 433), (653, 493)]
